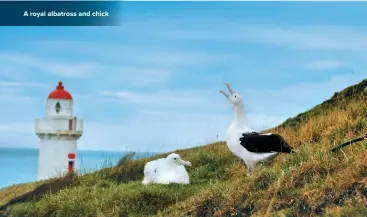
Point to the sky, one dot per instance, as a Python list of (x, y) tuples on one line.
[(151, 84)]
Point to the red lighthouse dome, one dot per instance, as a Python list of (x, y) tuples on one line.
[(60, 93)]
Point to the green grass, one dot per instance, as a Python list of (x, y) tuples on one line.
[(312, 182)]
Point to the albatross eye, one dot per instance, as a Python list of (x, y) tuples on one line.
[(174, 158)]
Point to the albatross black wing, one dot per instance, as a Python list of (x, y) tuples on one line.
[(260, 143)]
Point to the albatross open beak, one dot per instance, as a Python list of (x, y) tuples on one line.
[(230, 90), (224, 93)]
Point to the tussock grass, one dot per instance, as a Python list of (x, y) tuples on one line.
[(311, 182)]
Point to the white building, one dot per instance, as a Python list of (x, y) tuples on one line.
[(58, 133)]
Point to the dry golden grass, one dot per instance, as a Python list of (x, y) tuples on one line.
[(16, 190)]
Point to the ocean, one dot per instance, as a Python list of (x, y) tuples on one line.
[(19, 165)]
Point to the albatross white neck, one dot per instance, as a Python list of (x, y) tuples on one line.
[(239, 118)]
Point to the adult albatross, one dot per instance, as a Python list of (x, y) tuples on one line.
[(252, 147)]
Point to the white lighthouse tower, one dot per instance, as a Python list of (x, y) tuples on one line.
[(58, 133)]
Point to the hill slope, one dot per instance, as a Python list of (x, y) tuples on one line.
[(311, 182)]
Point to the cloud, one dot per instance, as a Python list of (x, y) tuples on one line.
[(135, 54), (325, 64), (112, 73), (57, 67), (6, 97), (173, 99), (309, 38), (16, 127), (19, 84), (11, 71), (10, 91), (139, 76), (303, 38)]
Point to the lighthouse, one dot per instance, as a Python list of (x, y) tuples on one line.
[(58, 133)]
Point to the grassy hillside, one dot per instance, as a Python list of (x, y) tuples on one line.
[(311, 182)]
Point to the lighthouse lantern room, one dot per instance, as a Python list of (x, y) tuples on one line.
[(58, 133)]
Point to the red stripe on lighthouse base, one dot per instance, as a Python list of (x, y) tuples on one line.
[(71, 156)]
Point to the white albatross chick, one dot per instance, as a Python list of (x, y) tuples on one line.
[(150, 170), (167, 170), (252, 147)]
